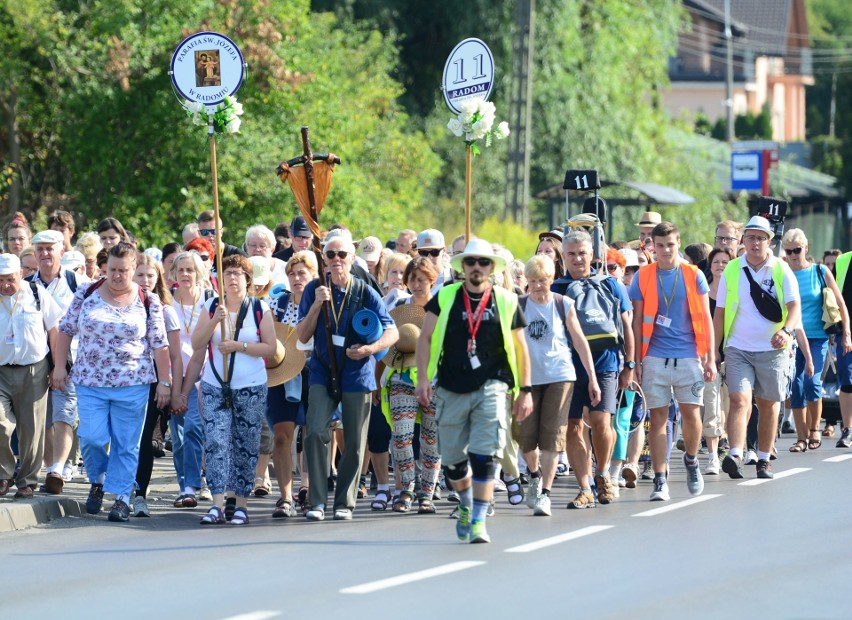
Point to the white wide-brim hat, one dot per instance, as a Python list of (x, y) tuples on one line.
[(478, 248)]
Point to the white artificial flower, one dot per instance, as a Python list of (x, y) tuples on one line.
[(194, 106), (486, 108), (233, 126), (199, 118), (503, 130), (469, 107), (455, 126), (238, 107)]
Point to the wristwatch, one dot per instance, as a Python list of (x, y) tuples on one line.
[(526, 388), (166, 384), (787, 331), (245, 347), (631, 364)]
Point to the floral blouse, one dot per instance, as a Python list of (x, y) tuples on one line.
[(116, 345)]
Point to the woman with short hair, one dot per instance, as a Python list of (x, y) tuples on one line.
[(234, 403), (89, 244), (121, 335)]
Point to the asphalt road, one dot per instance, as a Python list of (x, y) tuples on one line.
[(767, 549)]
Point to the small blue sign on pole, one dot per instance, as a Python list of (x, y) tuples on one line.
[(747, 171)]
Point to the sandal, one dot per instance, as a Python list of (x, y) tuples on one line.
[(189, 501), (813, 444), (426, 506), (179, 501), (230, 507), (402, 502), (515, 490), (302, 498), (283, 509), (240, 517), (828, 431), (262, 488), (362, 488), (380, 501), (801, 445), (214, 516)]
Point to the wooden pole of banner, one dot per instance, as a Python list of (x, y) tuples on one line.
[(468, 173), (220, 275)]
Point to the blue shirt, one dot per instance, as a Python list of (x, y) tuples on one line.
[(357, 375), (810, 296), (606, 360), (677, 340)]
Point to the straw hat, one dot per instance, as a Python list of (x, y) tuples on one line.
[(478, 248), (409, 320), (649, 218), (288, 360)]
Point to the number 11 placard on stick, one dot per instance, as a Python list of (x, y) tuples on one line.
[(468, 80)]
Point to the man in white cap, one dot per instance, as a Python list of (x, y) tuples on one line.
[(757, 309), (472, 341), (430, 245), (30, 317), (61, 284)]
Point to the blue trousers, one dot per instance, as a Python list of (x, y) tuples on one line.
[(188, 444)]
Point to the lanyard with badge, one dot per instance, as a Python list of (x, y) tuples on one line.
[(474, 320), (663, 320), (337, 339), (10, 337)]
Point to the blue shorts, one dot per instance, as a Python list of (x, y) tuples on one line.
[(607, 381), (809, 389), (279, 409), (844, 368)]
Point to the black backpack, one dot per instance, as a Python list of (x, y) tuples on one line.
[(597, 311)]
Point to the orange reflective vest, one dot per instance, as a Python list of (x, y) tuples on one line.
[(650, 302)]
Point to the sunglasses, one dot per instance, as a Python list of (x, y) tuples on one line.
[(204, 257), (795, 251), (207, 232), (341, 254), (612, 267), (482, 262), (425, 253)]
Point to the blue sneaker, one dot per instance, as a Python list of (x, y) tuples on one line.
[(463, 523), (95, 499), (478, 533)]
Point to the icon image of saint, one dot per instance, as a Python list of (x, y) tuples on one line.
[(207, 68)]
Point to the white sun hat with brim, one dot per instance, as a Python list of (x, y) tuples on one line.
[(260, 268), (478, 248), (760, 223), (72, 259)]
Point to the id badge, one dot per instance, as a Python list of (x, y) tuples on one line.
[(474, 362), (338, 340), (10, 338), (663, 321)]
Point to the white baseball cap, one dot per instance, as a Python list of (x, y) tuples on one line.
[(9, 263)]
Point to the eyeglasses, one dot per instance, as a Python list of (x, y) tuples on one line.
[(341, 254), (755, 238), (482, 262), (207, 232), (725, 239), (433, 253), (612, 267), (257, 246), (795, 251)]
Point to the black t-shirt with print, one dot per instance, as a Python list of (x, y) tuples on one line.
[(454, 370)]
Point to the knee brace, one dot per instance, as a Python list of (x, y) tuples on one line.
[(846, 389), (456, 472), (483, 467)]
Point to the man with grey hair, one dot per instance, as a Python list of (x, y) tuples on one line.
[(190, 232), (577, 254), (30, 319), (405, 241), (355, 381)]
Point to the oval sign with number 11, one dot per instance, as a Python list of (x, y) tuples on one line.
[(468, 73)]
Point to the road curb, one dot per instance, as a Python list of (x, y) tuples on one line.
[(24, 514)]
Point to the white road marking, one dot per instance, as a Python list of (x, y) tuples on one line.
[(677, 506), (838, 459), (382, 584), (255, 615), (780, 474), (561, 538)]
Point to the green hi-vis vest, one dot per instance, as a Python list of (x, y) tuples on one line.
[(732, 275), (507, 304), (841, 268)]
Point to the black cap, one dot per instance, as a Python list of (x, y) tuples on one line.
[(299, 227)]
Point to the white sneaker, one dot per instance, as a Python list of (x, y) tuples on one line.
[(343, 514), (533, 492), (140, 507), (499, 486), (542, 506), (751, 458), (316, 514), (712, 468), (661, 491), (68, 473), (561, 470), (616, 492)]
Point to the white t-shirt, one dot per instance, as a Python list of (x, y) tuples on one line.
[(278, 275), (187, 318), (248, 370), (751, 331), (550, 353), (23, 329), (59, 289)]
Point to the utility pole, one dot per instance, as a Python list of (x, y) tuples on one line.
[(833, 109), (729, 73), (518, 161)]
